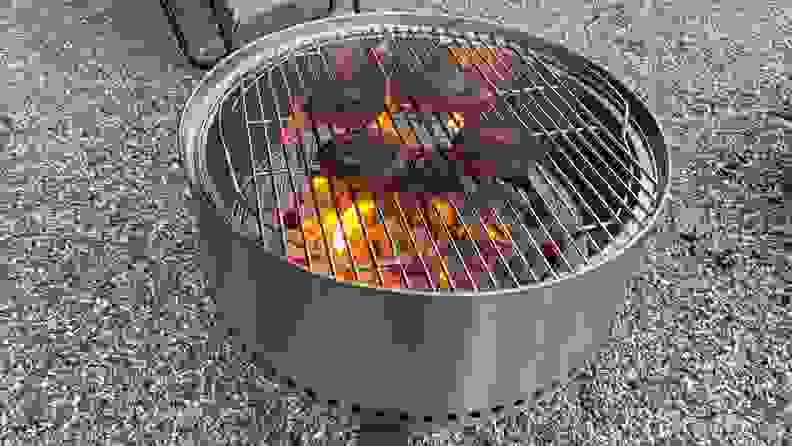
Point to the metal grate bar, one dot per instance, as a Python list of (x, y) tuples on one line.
[(607, 184), (465, 226), (300, 209), (571, 162), (622, 145), (586, 141), (583, 201), (259, 211), (536, 245), (567, 183), (402, 269), (312, 186), (380, 215), (343, 231), (562, 151), (403, 217), (541, 223), (559, 196), (519, 250), (411, 235), (281, 171), (358, 213), (445, 129), (581, 136), (524, 90), (443, 220)]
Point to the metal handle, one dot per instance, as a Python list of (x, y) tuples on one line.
[(223, 29)]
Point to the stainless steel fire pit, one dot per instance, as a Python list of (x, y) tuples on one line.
[(405, 306)]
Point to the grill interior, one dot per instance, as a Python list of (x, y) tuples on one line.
[(594, 187)]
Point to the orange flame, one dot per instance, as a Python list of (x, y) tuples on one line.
[(385, 122)]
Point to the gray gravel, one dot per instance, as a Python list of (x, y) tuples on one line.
[(105, 327)]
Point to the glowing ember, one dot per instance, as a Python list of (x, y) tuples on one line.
[(444, 282), (493, 233), (351, 224), (385, 122), (456, 121), (338, 242)]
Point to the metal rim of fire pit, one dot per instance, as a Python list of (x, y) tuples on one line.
[(627, 125)]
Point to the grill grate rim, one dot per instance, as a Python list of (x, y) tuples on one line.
[(589, 152)]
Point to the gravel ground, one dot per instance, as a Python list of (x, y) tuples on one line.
[(103, 317)]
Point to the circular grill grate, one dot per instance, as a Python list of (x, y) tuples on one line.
[(592, 189)]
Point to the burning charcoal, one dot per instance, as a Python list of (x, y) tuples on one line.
[(438, 86), (499, 145), (361, 157), (365, 156)]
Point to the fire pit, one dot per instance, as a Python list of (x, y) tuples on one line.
[(420, 259)]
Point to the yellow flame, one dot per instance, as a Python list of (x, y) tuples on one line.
[(351, 224), (321, 184), (385, 122), (366, 206), (443, 280), (329, 218)]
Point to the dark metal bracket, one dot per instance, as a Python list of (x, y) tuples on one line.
[(224, 31)]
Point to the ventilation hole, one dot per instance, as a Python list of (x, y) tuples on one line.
[(404, 416)]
